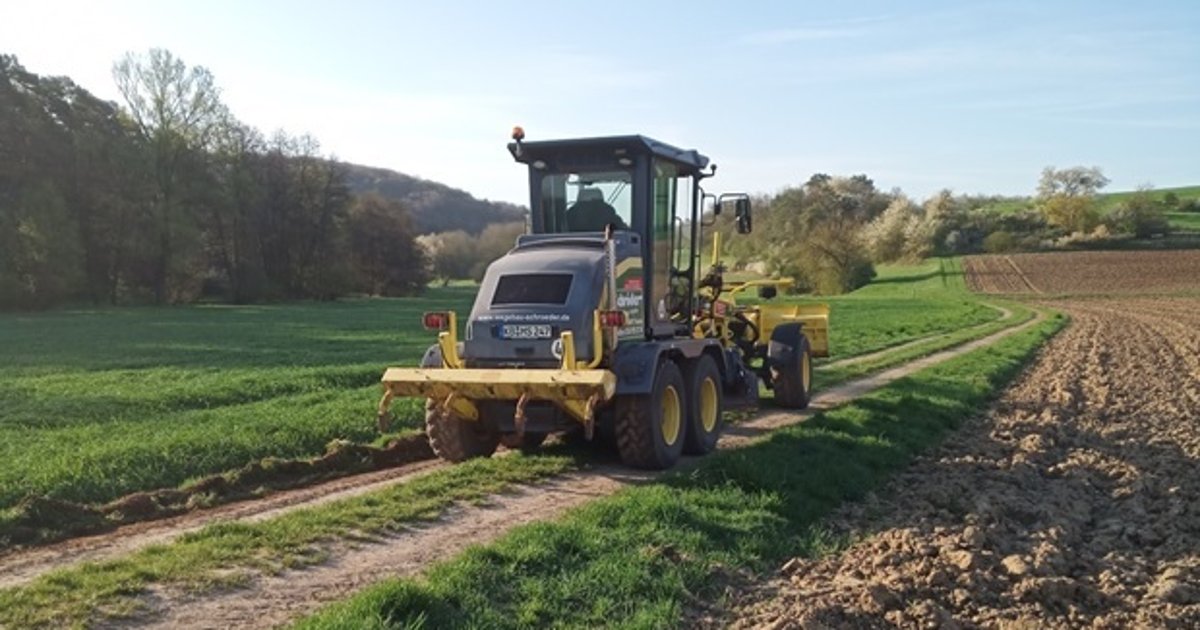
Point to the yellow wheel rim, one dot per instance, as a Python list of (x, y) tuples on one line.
[(806, 370), (672, 421), (708, 405)]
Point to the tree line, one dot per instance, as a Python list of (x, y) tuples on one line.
[(828, 233), (169, 198)]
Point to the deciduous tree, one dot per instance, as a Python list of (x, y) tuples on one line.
[(387, 259), (1066, 197), (176, 110)]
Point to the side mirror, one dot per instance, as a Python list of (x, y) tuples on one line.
[(741, 210), (767, 292)]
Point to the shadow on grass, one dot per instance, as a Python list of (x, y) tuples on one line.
[(911, 279)]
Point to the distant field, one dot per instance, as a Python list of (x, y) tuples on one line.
[(1107, 202), (1087, 273), (1110, 201), (98, 403), (1189, 221), (1009, 206)]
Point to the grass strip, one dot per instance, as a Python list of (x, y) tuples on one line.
[(647, 555), (227, 554), (829, 376)]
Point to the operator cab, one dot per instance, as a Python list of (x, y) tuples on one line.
[(631, 184)]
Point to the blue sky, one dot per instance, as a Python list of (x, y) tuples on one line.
[(975, 97)]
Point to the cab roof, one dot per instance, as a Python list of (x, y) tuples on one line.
[(553, 150)]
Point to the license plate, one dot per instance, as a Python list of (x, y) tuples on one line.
[(525, 331)]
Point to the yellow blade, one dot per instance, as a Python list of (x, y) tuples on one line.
[(505, 384)]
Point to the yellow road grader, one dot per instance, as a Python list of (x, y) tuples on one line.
[(599, 320)]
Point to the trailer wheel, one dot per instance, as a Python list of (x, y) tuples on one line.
[(651, 428), (791, 374), (527, 443), (705, 405), (456, 439)]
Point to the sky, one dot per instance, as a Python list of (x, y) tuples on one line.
[(977, 97)]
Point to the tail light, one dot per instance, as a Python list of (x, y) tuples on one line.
[(436, 321), (612, 319)]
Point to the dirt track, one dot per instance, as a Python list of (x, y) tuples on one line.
[(1074, 503), (269, 601), (21, 565)]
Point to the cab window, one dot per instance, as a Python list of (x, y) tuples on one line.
[(586, 201)]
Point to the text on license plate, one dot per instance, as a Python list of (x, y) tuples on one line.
[(525, 331)]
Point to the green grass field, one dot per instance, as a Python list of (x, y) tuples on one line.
[(1189, 221), (1107, 202), (903, 303), (96, 404)]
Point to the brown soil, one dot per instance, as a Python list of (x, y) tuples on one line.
[(1094, 272), (1073, 503)]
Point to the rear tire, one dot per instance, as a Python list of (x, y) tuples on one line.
[(706, 402), (456, 439), (651, 428), (793, 378)]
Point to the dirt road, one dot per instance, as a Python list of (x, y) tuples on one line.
[(1074, 503)]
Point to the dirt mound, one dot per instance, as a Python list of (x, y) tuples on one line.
[(1073, 503), (44, 519)]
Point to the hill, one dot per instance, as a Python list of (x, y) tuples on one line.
[(435, 207), (1107, 202)]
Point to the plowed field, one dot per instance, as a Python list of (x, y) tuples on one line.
[(1074, 503), (1103, 273)]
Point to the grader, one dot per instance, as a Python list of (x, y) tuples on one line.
[(599, 321)]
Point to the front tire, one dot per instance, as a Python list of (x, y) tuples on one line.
[(792, 378), (651, 428), (706, 402), (456, 439)]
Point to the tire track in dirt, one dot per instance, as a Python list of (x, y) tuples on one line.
[(274, 600), (1073, 503), (1021, 274), (21, 565)]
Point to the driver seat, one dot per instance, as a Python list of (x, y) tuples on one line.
[(590, 213)]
